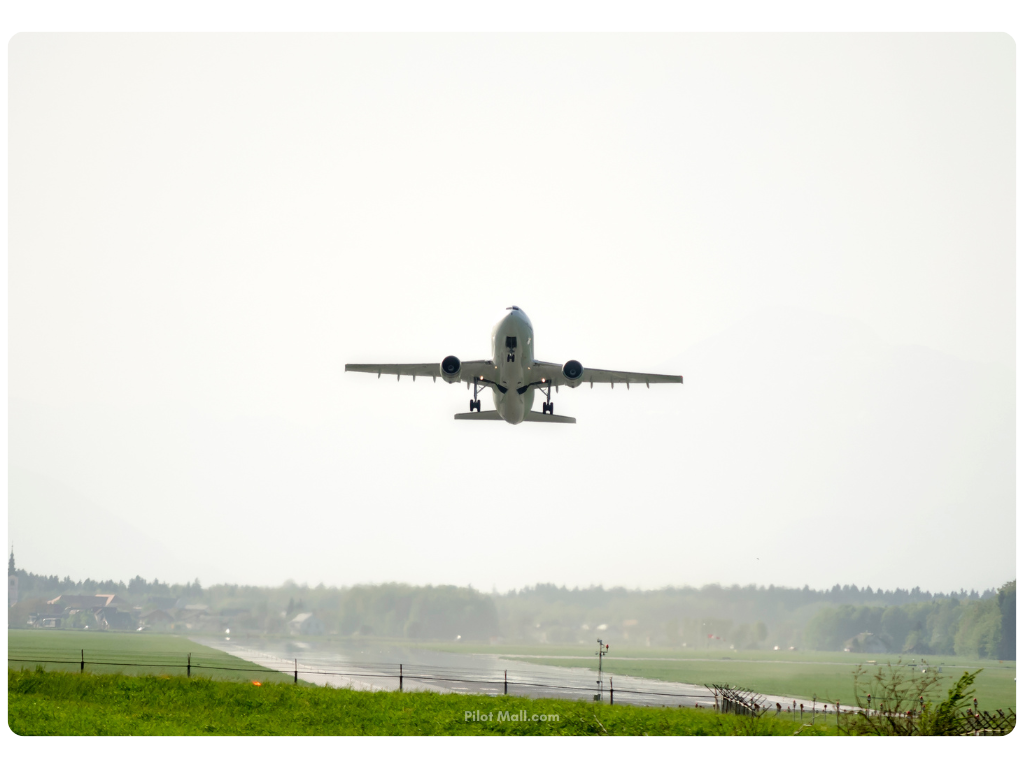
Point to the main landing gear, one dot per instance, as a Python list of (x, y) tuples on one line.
[(474, 404), (548, 407)]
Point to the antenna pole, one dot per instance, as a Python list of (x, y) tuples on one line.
[(602, 649)]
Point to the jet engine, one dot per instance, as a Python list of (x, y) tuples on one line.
[(451, 367), (573, 373)]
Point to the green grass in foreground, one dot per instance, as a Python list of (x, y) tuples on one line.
[(62, 703), (155, 654)]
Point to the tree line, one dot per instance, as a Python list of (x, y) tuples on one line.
[(982, 628), (713, 616)]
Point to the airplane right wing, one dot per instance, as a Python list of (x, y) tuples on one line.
[(481, 371), (404, 369)]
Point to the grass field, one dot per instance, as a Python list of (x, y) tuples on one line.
[(149, 654), (800, 674), (62, 703)]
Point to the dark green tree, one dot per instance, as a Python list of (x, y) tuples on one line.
[(1007, 599)]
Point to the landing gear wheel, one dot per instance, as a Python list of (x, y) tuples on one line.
[(551, 409), (474, 405)]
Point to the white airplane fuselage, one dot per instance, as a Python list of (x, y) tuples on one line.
[(512, 365)]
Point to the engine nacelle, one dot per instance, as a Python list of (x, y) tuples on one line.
[(451, 367), (573, 372)]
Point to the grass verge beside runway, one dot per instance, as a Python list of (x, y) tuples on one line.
[(798, 674), (995, 687), (62, 703), (148, 654)]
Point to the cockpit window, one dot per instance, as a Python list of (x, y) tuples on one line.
[(514, 307)]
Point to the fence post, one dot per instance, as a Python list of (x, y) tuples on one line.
[(401, 680), (189, 672), (814, 707), (506, 682), (296, 672), (611, 690), (83, 661), (837, 713), (801, 711)]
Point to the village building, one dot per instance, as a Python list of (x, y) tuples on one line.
[(306, 624), (101, 611), (157, 619), (112, 618), (866, 642), (184, 605), (88, 601)]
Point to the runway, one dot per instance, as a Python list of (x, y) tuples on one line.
[(373, 668)]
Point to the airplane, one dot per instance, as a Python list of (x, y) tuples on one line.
[(513, 374)]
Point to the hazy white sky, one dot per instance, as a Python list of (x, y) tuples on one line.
[(816, 230)]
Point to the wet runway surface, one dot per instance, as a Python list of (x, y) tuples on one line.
[(379, 669)]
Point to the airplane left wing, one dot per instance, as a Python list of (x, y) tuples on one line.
[(544, 373)]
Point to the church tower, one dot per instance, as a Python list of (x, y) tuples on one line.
[(11, 581)]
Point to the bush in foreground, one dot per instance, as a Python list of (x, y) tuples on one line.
[(898, 702)]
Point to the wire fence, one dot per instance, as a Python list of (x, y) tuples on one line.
[(569, 683)]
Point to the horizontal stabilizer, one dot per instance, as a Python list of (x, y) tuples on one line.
[(479, 416), (548, 417)]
